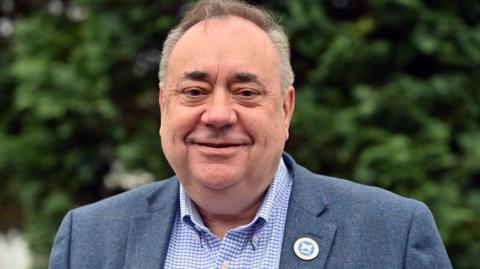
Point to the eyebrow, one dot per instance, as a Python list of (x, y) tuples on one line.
[(246, 77), (196, 76), (240, 77)]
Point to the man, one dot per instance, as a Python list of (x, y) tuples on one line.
[(237, 201)]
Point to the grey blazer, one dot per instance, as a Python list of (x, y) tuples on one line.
[(355, 226)]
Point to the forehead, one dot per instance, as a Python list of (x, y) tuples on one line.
[(224, 44)]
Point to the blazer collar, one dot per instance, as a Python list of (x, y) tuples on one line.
[(304, 218), (149, 234)]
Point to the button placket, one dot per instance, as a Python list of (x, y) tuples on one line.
[(225, 265), (255, 240)]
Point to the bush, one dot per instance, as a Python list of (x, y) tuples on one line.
[(387, 95)]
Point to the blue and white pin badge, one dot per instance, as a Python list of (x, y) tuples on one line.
[(306, 248)]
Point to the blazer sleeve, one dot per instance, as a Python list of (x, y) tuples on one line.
[(60, 254), (424, 246)]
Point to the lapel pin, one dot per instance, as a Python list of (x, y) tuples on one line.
[(306, 248)]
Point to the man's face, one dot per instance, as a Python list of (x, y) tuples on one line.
[(224, 120)]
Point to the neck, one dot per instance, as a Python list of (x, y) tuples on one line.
[(220, 223)]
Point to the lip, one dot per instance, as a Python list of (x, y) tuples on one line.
[(218, 145), (217, 148)]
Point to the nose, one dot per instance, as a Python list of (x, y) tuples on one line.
[(219, 112)]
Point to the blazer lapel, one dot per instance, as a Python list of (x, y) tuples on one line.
[(149, 234), (304, 219)]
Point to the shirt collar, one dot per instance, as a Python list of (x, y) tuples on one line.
[(191, 217)]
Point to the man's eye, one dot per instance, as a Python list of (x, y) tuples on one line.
[(193, 92), (247, 93)]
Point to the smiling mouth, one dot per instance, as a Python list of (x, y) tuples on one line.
[(211, 145)]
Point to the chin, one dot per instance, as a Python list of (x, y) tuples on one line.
[(218, 179)]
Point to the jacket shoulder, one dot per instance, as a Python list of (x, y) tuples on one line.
[(137, 201), (346, 191), (349, 198)]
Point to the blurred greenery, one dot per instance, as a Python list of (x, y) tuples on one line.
[(387, 95)]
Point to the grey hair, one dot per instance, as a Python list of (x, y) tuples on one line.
[(206, 9)]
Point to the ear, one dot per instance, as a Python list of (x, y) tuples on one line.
[(288, 107)]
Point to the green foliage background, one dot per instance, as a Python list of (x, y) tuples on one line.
[(387, 94)]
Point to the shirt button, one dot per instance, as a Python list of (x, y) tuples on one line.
[(225, 265), (255, 239)]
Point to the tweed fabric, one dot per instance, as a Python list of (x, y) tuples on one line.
[(355, 226)]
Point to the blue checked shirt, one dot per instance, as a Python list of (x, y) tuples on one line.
[(255, 245)]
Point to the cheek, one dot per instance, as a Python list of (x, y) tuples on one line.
[(178, 121), (266, 130), (279, 129)]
